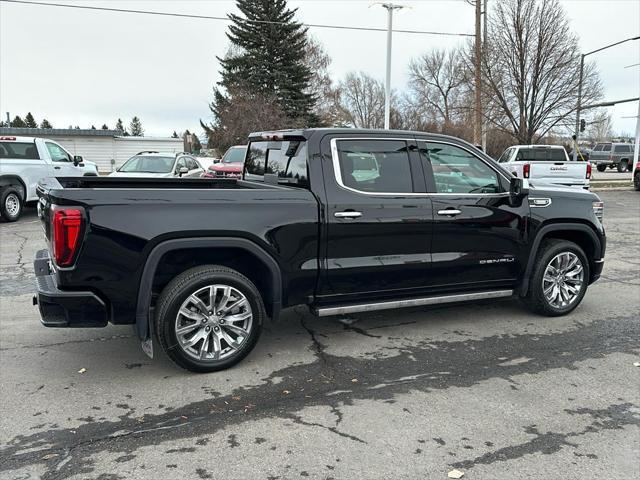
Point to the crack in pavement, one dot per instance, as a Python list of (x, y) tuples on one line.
[(614, 417), (297, 419), (328, 382)]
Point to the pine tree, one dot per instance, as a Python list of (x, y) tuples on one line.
[(120, 126), (93, 127), (45, 124), (175, 134), (29, 121), (135, 127), (104, 127), (268, 60), (17, 122)]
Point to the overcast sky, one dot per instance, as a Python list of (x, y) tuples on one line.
[(79, 67)]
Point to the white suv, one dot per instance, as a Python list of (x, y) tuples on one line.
[(24, 161)]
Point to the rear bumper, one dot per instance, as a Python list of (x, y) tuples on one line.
[(61, 308)]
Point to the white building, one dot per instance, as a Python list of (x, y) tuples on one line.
[(107, 148)]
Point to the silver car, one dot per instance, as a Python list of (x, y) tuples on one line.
[(159, 165)]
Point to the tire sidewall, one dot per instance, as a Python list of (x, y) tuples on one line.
[(178, 296), (550, 252), (3, 198)]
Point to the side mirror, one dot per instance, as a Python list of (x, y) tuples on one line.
[(77, 160), (518, 190), (183, 171)]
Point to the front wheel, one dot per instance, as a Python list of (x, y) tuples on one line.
[(209, 318), (10, 204), (559, 280), (601, 168), (622, 166)]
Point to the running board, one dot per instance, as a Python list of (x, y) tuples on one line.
[(410, 302)]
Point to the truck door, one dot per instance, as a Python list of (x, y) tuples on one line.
[(378, 218), (478, 238), (62, 161)]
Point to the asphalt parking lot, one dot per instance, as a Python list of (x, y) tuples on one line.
[(489, 389)]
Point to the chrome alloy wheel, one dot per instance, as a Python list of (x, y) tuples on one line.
[(213, 322), (562, 280), (12, 204)]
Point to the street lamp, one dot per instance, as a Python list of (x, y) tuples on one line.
[(387, 86), (577, 132)]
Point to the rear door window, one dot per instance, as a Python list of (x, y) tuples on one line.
[(19, 150), (622, 149), (381, 166)]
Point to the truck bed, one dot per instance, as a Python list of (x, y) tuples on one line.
[(154, 183)]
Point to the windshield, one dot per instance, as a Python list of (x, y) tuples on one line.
[(143, 164), (234, 155)]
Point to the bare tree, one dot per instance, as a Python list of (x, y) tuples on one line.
[(437, 81), (600, 126), (321, 86), (531, 68), (362, 100)]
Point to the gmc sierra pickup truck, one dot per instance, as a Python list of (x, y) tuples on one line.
[(341, 220)]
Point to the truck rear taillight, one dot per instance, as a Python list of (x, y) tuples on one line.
[(588, 171), (66, 230), (526, 170)]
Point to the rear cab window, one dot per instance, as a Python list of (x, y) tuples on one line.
[(541, 155), (19, 150), (281, 161)]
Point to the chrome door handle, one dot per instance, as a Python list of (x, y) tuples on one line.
[(347, 214), (450, 212)]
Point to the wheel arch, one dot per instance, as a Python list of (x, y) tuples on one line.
[(16, 180), (583, 235), (268, 277)]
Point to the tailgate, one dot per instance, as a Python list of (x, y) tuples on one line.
[(558, 170), (44, 204)]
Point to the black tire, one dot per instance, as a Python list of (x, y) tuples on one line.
[(636, 181), (535, 298), (11, 203), (601, 168), (179, 289), (623, 165)]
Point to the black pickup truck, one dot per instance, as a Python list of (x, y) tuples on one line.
[(341, 220)]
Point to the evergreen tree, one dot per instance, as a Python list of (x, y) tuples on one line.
[(29, 121), (135, 127), (45, 124), (174, 135), (104, 126), (17, 122), (120, 126), (93, 127), (267, 61)]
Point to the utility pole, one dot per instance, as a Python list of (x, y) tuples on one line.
[(387, 86), (477, 124), (484, 48), (579, 106), (636, 147)]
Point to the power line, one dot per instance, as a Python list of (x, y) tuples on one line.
[(209, 17)]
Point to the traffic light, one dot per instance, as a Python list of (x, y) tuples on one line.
[(582, 125)]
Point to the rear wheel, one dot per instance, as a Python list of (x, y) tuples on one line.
[(559, 280), (601, 168), (10, 203), (209, 318)]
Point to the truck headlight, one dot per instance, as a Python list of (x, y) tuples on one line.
[(598, 210)]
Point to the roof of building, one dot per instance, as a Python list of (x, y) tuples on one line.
[(71, 132)]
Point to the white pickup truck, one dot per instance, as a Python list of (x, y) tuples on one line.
[(24, 161), (546, 164)]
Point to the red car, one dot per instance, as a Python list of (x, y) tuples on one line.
[(636, 177), (230, 166)]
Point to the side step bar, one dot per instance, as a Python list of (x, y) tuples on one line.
[(410, 302)]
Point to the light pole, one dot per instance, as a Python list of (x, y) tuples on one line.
[(387, 85), (579, 106)]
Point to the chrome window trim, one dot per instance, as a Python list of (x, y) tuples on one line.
[(335, 160)]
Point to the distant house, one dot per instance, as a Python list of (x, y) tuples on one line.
[(107, 148)]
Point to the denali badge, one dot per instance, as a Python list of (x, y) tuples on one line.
[(497, 260)]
